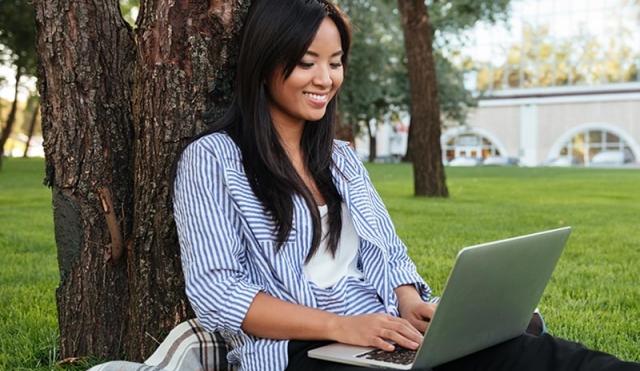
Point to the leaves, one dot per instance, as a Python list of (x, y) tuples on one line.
[(540, 59), (376, 84), (18, 35)]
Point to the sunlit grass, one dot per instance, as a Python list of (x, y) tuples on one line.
[(594, 296)]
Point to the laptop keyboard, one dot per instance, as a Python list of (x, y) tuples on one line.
[(400, 355)]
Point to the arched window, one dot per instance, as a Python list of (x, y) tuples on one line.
[(469, 144), (583, 147)]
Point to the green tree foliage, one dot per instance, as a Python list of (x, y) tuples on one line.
[(18, 41), (129, 10), (377, 85), (454, 16), (18, 36), (541, 60), (450, 19)]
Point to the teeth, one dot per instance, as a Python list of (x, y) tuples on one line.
[(317, 97)]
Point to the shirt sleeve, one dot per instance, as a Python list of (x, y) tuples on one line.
[(402, 270), (216, 281)]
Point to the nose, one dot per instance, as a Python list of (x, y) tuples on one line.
[(323, 77)]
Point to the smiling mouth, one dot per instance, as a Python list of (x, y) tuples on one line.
[(320, 98)]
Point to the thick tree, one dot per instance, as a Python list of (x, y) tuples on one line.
[(428, 171), (184, 49), (117, 107)]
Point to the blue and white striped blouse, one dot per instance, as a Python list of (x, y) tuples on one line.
[(228, 250)]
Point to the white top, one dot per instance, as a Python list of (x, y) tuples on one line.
[(323, 269)]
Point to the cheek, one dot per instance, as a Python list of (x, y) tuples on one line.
[(298, 79), (338, 79)]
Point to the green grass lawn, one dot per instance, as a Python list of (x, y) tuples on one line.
[(594, 296), (28, 268)]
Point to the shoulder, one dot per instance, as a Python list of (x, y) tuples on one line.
[(218, 145), (209, 154), (346, 159), (344, 149)]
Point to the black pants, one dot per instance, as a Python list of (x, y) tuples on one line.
[(527, 352)]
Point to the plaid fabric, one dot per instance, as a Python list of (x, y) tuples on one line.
[(188, 347)]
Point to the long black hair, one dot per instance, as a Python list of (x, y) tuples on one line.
[(277, 34)]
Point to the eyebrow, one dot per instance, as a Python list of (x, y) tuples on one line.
[(314, 54)]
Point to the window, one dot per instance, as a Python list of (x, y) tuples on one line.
[(584, 146), (469, 145)]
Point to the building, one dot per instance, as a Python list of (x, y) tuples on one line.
[(556, 126), (558, 85)]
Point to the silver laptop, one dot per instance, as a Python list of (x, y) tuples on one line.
[(489, 298)]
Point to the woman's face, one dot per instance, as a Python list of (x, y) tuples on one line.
[(304, 95)]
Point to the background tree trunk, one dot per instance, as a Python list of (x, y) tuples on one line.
[(32, 126), (183, 48), (424, 139), (11, 118), (86, 59), (373, 145), (344, 131)]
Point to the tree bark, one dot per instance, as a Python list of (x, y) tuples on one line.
[(115, 115), (373, 145), (183, 48), (344, 131), (424, 139), (32, 127), (11, 118), (86, 54)]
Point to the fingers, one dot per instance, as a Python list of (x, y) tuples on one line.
[(408, 330), (419, 324), (401, 332), (380, 331), (426, 310), (381, 344)]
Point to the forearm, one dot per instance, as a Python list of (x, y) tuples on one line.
[(407, 293), (269, 317), (273, 318)]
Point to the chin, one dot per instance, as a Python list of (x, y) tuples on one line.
[(316, 116)]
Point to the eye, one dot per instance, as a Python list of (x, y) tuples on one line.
[(305, 65), (336, 65)]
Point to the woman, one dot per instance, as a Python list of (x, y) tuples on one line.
[(284, 240)]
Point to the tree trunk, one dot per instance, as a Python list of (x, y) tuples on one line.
[(114, 117), (32, 127), (86, 56), (183, 48), (344, 131), (407, 155), (373, 145), (11, 119), (424, 139)]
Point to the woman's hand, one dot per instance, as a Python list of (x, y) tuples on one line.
[(413, 309), (375, 330), (418, 313)]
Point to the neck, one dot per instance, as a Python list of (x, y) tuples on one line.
[(289, 133)]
